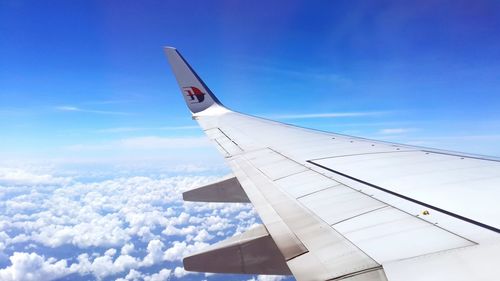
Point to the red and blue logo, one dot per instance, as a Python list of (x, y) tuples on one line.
[(194, 94)]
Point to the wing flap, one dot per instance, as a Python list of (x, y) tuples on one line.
[(252, 252), (225, 191)]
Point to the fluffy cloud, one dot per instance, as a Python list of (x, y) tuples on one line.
[(203, 235), (155, 253), (127, 249), (182, 249), (33, 267), (268, 278), (119, 228), (135, 275), (160, 276), (180, 272), (103, 266), (109, 213)]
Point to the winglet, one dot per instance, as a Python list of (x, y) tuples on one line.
[(197, 95)]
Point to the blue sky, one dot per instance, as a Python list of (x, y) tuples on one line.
[(87, 101), (88, 73)]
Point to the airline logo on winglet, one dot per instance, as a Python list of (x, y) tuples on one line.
[(194, 94)]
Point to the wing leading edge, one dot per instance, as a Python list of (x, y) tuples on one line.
[(337, 207)]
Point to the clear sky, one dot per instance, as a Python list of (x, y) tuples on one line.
[(87, 80), (96, 144)]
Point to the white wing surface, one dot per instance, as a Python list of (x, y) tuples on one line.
[(337, 207)]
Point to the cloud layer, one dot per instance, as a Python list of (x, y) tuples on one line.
[(127, 228)]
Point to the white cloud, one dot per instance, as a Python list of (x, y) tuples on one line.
[(103, 266), (182, 249), (162, 275), (395, 131), (180, 272), (153, 142), (171, 230), (181, 219), (67, 108), (110, 252), (70, 108), (127, 249), (144, 143), (110, 215), (268, 278), (216, 223), (33, 267), (203, 236), (244, 215), (99, 231), (155, 253), (16, 177), (136, 129), (135, 275)]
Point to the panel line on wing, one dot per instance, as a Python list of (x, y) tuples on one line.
[(367, 212), (229, 138), (457, 216), (366, 153), (298, 172), (316, 191), (222, 148), (347, 276)]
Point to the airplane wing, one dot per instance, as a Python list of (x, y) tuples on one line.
[(337, 207)]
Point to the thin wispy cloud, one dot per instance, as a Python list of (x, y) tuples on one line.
[(153, 142), (144, 143), (396, 131), (374, 124), (69, 108), (485, 137), (137, 129), (328, 115), (98, 102), (309, 74), (303, 74)]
